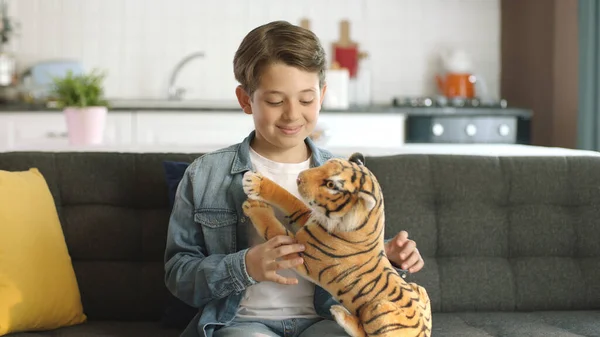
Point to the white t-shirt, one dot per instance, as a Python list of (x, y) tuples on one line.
[(270, 300)]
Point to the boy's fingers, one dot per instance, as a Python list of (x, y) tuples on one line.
[(412, 260), (280, 264), (280, 240), (420, 264), (287, 264), (287, 249), (401, 238), (408, 249)]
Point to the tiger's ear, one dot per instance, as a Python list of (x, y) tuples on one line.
[(357, 158), (368, 200)]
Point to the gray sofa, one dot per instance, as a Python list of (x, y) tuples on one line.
[(511, 244)]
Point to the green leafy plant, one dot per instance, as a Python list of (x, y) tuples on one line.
[(8, 25), (81, 90)]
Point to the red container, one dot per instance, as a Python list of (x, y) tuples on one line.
[(345, 51), (347, 57)]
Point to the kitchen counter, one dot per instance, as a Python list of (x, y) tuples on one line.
[(159, 105), (185, 123), (184, 105)]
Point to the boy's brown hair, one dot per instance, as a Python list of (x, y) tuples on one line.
[(277, 42)]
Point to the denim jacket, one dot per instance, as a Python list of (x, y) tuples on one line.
[(206, 241)]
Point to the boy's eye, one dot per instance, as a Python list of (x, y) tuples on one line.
[(306, 102), (274, 103)]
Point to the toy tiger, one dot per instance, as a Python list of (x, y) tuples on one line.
[(342, 229)]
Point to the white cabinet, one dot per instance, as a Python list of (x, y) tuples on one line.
[(215, 129), (48, 129), (198, 131), (362, 130), (33, 129), (219, 129)]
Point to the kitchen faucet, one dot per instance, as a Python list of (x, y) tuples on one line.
[(175, 93)]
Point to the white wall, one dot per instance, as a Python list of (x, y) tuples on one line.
[(139, 41)]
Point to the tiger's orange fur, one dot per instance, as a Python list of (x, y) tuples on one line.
[(343, 231)]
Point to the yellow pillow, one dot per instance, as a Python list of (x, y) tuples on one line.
[(38, 288)]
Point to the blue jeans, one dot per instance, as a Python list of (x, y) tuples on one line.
[(295, 327)]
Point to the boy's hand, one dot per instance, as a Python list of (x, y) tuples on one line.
[(403, 253), (264, 260)]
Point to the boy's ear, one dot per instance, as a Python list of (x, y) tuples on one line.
[(243, 99), (323, 90)]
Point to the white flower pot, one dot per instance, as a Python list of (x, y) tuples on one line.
[(85, 126)]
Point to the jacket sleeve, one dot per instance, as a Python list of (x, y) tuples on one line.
[(190, 273)]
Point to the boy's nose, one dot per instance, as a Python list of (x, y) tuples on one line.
[(292, 113)]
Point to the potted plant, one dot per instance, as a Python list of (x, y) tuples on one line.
[(81, 97)]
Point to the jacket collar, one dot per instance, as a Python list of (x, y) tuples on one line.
[(241, 161)]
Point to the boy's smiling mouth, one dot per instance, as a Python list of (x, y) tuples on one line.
[(290, 130)]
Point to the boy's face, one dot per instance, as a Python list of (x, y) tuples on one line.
[(285, 106)]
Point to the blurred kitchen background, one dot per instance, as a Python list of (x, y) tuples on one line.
[(520, 58), (139, 41)]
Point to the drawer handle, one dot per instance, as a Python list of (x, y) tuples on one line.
[(471, 130), (56, 134)]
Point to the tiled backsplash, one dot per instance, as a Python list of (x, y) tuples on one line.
[(139, 41)]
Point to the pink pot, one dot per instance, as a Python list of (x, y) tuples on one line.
[(85, 126)]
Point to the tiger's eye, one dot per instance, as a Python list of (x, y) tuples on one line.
[(330, 184)]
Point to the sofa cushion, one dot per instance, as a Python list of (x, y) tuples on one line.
[(174, 171), (459, 324), (499, 233), (38, 287), (177, 314), (107, 329), (510, 324)]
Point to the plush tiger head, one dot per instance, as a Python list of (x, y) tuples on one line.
[(340, 192)]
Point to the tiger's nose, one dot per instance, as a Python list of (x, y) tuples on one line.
[(298, 181)]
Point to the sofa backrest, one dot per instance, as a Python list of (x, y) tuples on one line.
[(114, 212), (496, 233), (499, 233)]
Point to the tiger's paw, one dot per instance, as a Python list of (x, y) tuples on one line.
[(251, 183), (339, 313), (347, 321), (252, 206)]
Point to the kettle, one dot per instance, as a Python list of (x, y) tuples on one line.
[(459, 80)]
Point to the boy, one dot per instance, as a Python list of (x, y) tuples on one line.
[(214, 259)]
